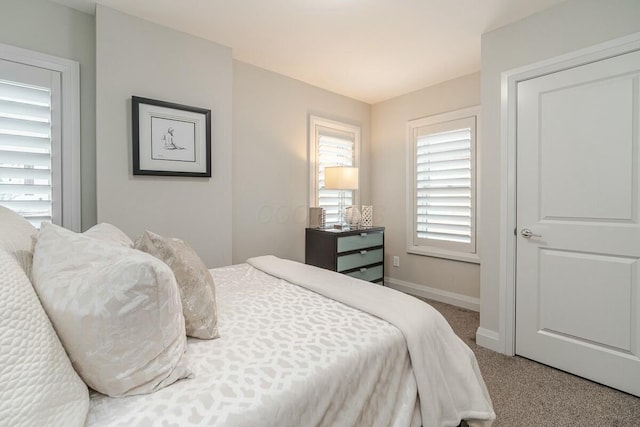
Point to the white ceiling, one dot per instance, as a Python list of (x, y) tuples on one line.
[(369, 50)]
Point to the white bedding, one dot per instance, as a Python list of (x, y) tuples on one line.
[(332, 365), (448, 378)]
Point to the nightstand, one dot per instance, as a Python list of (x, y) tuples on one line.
[(357, 252)]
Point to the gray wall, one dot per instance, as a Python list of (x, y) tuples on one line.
[(388, 163), (567, 27), (46, 27), (270, 158), (137, 57)]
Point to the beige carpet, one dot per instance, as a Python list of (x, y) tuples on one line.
[(528, 394)]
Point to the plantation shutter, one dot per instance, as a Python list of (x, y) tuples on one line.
[(25, 150), (335, 148), (444, 185)]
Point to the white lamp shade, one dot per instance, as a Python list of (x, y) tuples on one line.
[(340, 178)]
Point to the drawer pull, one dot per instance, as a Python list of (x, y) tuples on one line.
[(362, 270), (363, 252), (363, 234)]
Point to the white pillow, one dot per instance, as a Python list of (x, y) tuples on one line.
[(195, 282), (116, 310), (109, 233), (38, 386), (16, 237)]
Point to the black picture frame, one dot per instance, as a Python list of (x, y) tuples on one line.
[(170, 139)]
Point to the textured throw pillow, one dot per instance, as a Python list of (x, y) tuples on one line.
[(196, 285), (38, 386), (116, 310), (16, 237), (109, 233)]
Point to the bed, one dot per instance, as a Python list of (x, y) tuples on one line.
[(290, 356), (298, 346)]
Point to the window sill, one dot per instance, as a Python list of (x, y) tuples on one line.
[(443, 253)]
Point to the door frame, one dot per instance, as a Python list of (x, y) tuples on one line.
[(508, 152)]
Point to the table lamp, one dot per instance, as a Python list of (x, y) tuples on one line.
[(341, 178)]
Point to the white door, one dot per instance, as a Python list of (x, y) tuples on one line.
[(578, 216)]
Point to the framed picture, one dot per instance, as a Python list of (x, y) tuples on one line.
[(170, 139)]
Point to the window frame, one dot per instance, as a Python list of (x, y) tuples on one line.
[(433, 250), (315, 123), (69, 144)]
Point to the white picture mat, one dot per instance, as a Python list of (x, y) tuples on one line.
[(189, 133)]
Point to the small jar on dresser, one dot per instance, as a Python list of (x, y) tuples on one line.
[(358, 252)]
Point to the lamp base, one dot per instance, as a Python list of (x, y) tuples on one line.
[(344, 227), (343, 224)]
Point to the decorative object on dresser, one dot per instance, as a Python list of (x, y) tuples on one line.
[(357, 252), (366, 219), (352, 215), (341, 178), (317, 218)]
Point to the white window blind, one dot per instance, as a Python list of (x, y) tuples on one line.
[(40, 136), (333, 150), (25, 150), (332, 144), (442, 186)]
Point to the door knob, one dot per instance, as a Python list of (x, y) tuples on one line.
[(527, 234)]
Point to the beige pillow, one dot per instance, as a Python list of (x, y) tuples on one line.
[(116, 310), (38, 386), (196, 285), (109, 233)]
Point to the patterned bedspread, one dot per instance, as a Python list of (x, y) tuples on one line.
[(286, 357)]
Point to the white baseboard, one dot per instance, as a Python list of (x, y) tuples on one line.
[(447, 297), (484, 337), (488, 339)]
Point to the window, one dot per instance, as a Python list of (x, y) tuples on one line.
[(39, 143), (442, 185), (331, 143)]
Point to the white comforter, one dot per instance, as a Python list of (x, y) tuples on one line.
[(287, 357), (450, 385)]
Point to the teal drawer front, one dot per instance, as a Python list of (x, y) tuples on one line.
[(368, 274), (347, 262), (359, 241)]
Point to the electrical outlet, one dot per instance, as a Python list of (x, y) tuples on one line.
[(396, 261)]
